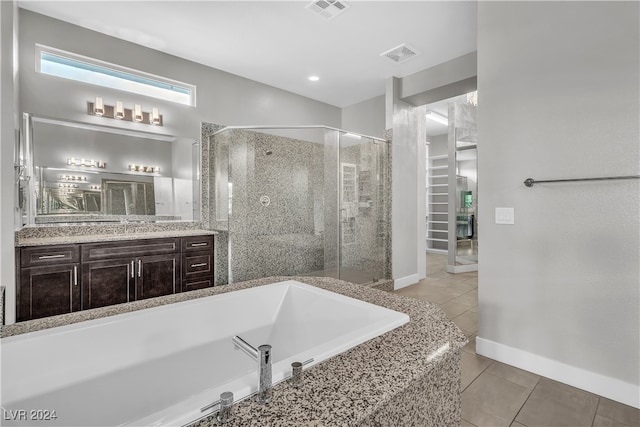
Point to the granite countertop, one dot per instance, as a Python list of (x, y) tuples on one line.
[(359, 381), (62, 240), (85, 233)]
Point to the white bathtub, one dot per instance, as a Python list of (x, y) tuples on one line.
[(161, 365)]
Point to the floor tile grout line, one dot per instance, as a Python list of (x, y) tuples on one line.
[(595, 413), (523, 403), (467, 421), (478, 376)]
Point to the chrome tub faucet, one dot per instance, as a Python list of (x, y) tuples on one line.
[(263, 356)]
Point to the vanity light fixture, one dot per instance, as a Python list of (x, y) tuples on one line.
[(73, 178), (118, 111), (98, 108), (86, 163), (438, 118), (94, 187), (155, 116), (137, 113), (141, 168), (65, 185)]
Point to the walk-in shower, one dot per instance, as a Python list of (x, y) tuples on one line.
[(300, 201)]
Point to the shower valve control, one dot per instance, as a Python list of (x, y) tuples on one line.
[(265, 201)]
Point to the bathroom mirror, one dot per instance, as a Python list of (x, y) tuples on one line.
[(79, 172)]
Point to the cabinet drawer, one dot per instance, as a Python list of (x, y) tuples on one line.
[(193, 284), (132, 249), (197, 264), (49, 255), (197, 243)]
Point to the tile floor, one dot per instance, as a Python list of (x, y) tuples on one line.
[(495, 394)]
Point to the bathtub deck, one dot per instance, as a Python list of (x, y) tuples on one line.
[(408, 376)]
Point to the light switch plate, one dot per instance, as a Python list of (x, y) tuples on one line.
[(505, 216)]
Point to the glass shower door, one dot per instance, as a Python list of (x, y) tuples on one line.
[(362, 218)]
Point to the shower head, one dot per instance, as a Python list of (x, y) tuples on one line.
[(268, 152)]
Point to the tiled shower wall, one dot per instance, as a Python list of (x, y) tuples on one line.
[(296, 231)]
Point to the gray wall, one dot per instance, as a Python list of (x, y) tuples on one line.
[(408, 228), (366, 117), (457, 76), (559, 98)]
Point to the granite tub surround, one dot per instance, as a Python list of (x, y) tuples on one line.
[(408, 376), (69, 234)]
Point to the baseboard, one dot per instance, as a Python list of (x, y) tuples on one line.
[(608, 387), (465, 268), (405, 281)]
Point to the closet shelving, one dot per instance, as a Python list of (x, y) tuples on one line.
[(437, 203)]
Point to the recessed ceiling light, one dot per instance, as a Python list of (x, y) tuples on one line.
[(314, 78)]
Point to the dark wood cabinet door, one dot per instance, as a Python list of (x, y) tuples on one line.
[(48, 291), (157, 275), (107, 282)]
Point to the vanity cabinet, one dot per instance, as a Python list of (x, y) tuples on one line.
[(60, 279), (48, 281)]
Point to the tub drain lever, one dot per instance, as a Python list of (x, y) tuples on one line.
[(296, 374), (226, 402)]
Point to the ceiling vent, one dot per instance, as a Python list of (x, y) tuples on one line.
[(401, 53), (328, 9)]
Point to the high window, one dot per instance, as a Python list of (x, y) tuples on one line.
[(68, 65)]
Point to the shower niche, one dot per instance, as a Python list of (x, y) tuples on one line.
[(327, 212)]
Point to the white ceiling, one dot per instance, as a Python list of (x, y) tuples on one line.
[(281, 43)]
